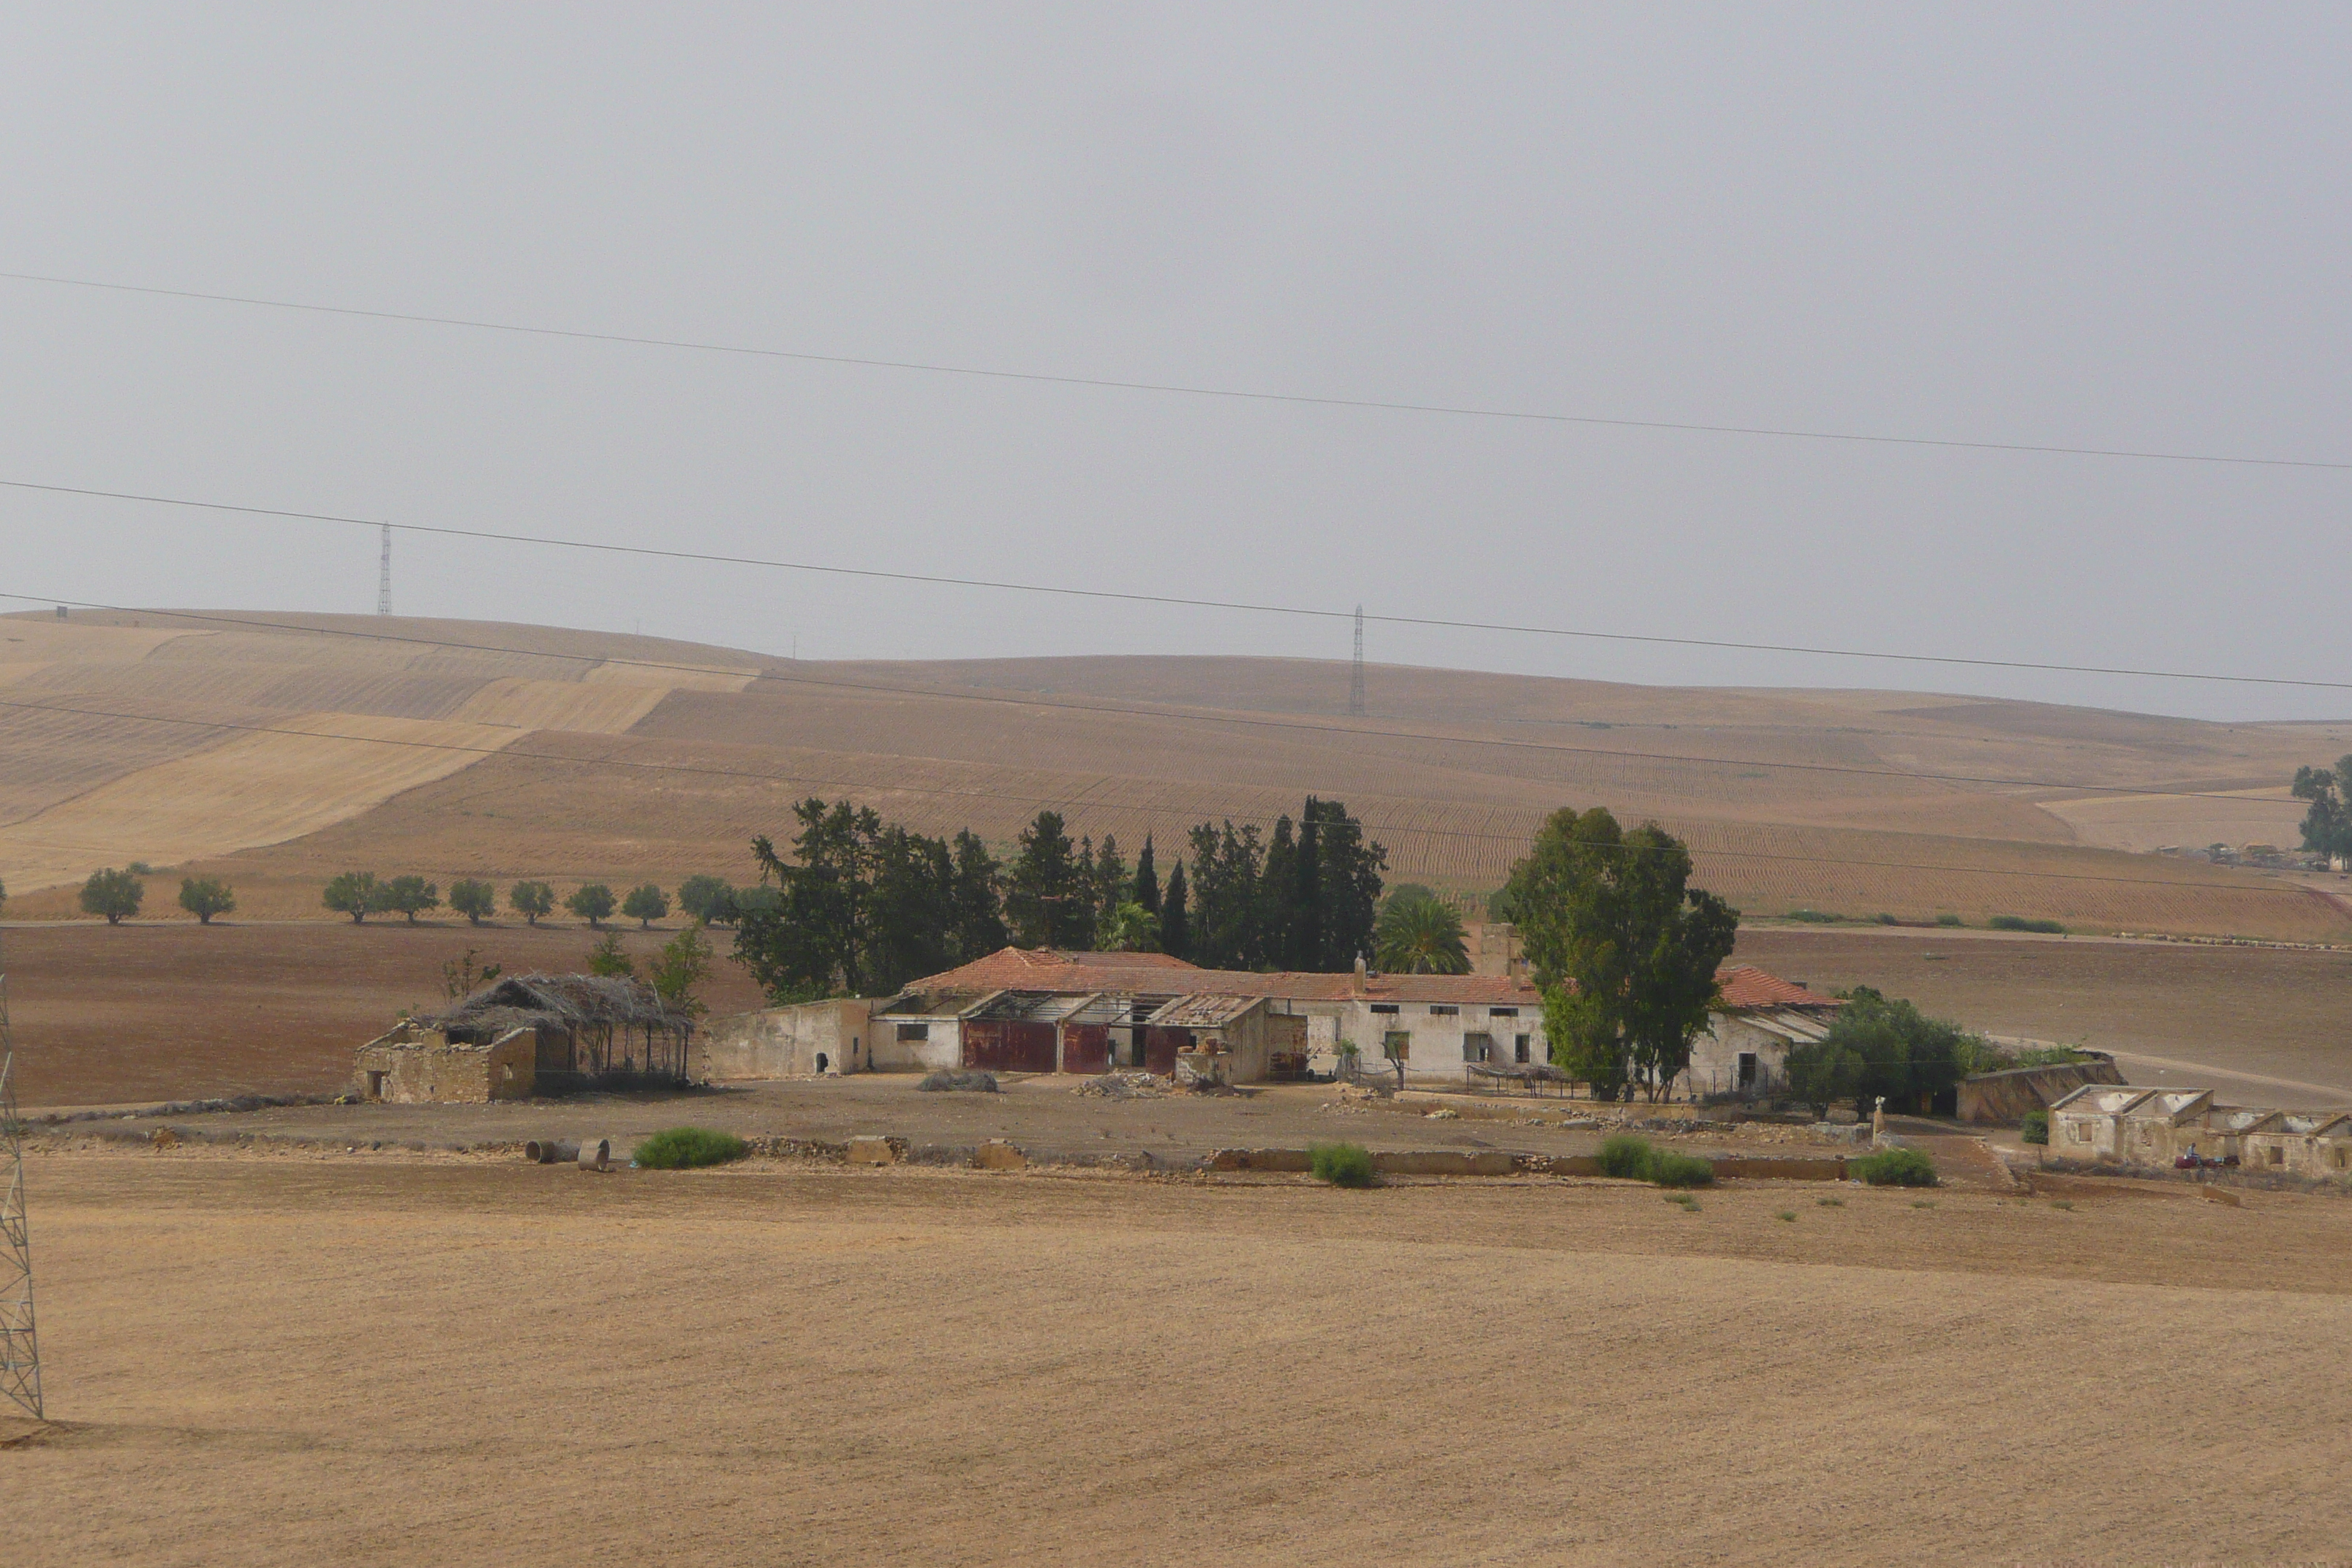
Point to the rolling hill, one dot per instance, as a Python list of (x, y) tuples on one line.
[(277, 750)]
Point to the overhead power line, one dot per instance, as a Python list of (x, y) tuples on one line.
[(1117, 710), (1175, 600), (1384, 406), (870, 787)]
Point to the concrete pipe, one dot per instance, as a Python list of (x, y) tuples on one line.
[(550, 1151), (597, 1156)]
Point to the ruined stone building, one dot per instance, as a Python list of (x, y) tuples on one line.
[(530, 1034)]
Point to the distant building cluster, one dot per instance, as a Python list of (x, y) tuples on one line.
[(2176, 1128)]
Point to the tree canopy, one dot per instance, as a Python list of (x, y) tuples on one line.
[(710, 900), (592, 902), (1419, 933), (646, 904), (1904, 1055), (474, 898), (410, 896), (862, 906), (116, 895), (355, 893), (204, 896), (2327, 822), (1624, 949), (530, 901)]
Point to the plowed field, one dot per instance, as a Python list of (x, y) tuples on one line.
[(623, 759), (306, 1359)]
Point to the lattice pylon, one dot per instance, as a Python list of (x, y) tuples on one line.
[(20, 1346)]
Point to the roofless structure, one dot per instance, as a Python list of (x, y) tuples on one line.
[(531, 1033)]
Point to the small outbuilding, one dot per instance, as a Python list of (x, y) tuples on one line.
[(530, 1034)]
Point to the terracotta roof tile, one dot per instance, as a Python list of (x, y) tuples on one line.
[(1744, 987)]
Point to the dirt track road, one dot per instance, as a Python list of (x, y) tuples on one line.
[(299, 1360)]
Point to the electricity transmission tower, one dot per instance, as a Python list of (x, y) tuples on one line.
[(384, 576), (20, 1349), (1356, 674)]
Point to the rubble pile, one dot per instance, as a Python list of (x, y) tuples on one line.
[(1125, 1085)]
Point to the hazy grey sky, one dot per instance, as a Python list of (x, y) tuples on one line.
[(2120, 225)]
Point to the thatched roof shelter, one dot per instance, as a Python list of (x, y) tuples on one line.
[(577, 1002)]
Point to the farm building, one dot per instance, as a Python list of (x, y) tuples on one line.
[(812, 1037), (2154, 1127), (530, 1034), (1758, 1020), (2300, 1144), (1047, 1011), (2006, 1096)]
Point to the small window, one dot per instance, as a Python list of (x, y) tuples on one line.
[(2278, 1155), (1747, 1070), (2078, 1132), (1520, 1050), (1397, 1045), (2343, 1159), (914, 1032), (1389, 1007), (1442, 1009), (1502, 1011), (1478, 1048)]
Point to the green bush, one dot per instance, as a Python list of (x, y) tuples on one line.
[(1895, 1168), (2019, 923), (1670, 1169), (1341, 1164), (1886, 920), (675, 1147), (1632, 1159), (1949, 920), (2036, 1127), (1626, 1157), (1815, 916)]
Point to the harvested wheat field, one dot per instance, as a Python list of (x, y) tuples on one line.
[(277, 751), (172, 1010), (296, 1359), (2275, 1023)]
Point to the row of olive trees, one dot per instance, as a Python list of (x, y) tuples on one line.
[(116, 894), (359, 894)]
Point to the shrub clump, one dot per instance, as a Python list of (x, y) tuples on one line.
[(2035, 1129), (676, 1147), (945, 1082), (2019, 923), (1341, 1164), (1629, 1158), (1626, 1157), (1895, 1168)]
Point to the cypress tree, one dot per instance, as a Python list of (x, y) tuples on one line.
[(1175, 921), (1147, 879)]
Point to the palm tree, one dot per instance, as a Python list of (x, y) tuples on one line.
[(1420, 935)]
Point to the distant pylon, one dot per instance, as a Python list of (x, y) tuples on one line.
[(1356, 674), (20, 1348), (384, 576)]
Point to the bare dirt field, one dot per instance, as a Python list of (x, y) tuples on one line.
[(2250, 1013), (277, 757), (295, 1360), (1050, 1116), (172, 1010)]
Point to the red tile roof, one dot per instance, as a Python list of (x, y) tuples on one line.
[(1746, 986), (1155, 973)]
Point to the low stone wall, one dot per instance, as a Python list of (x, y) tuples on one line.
[(2006, 1097)]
